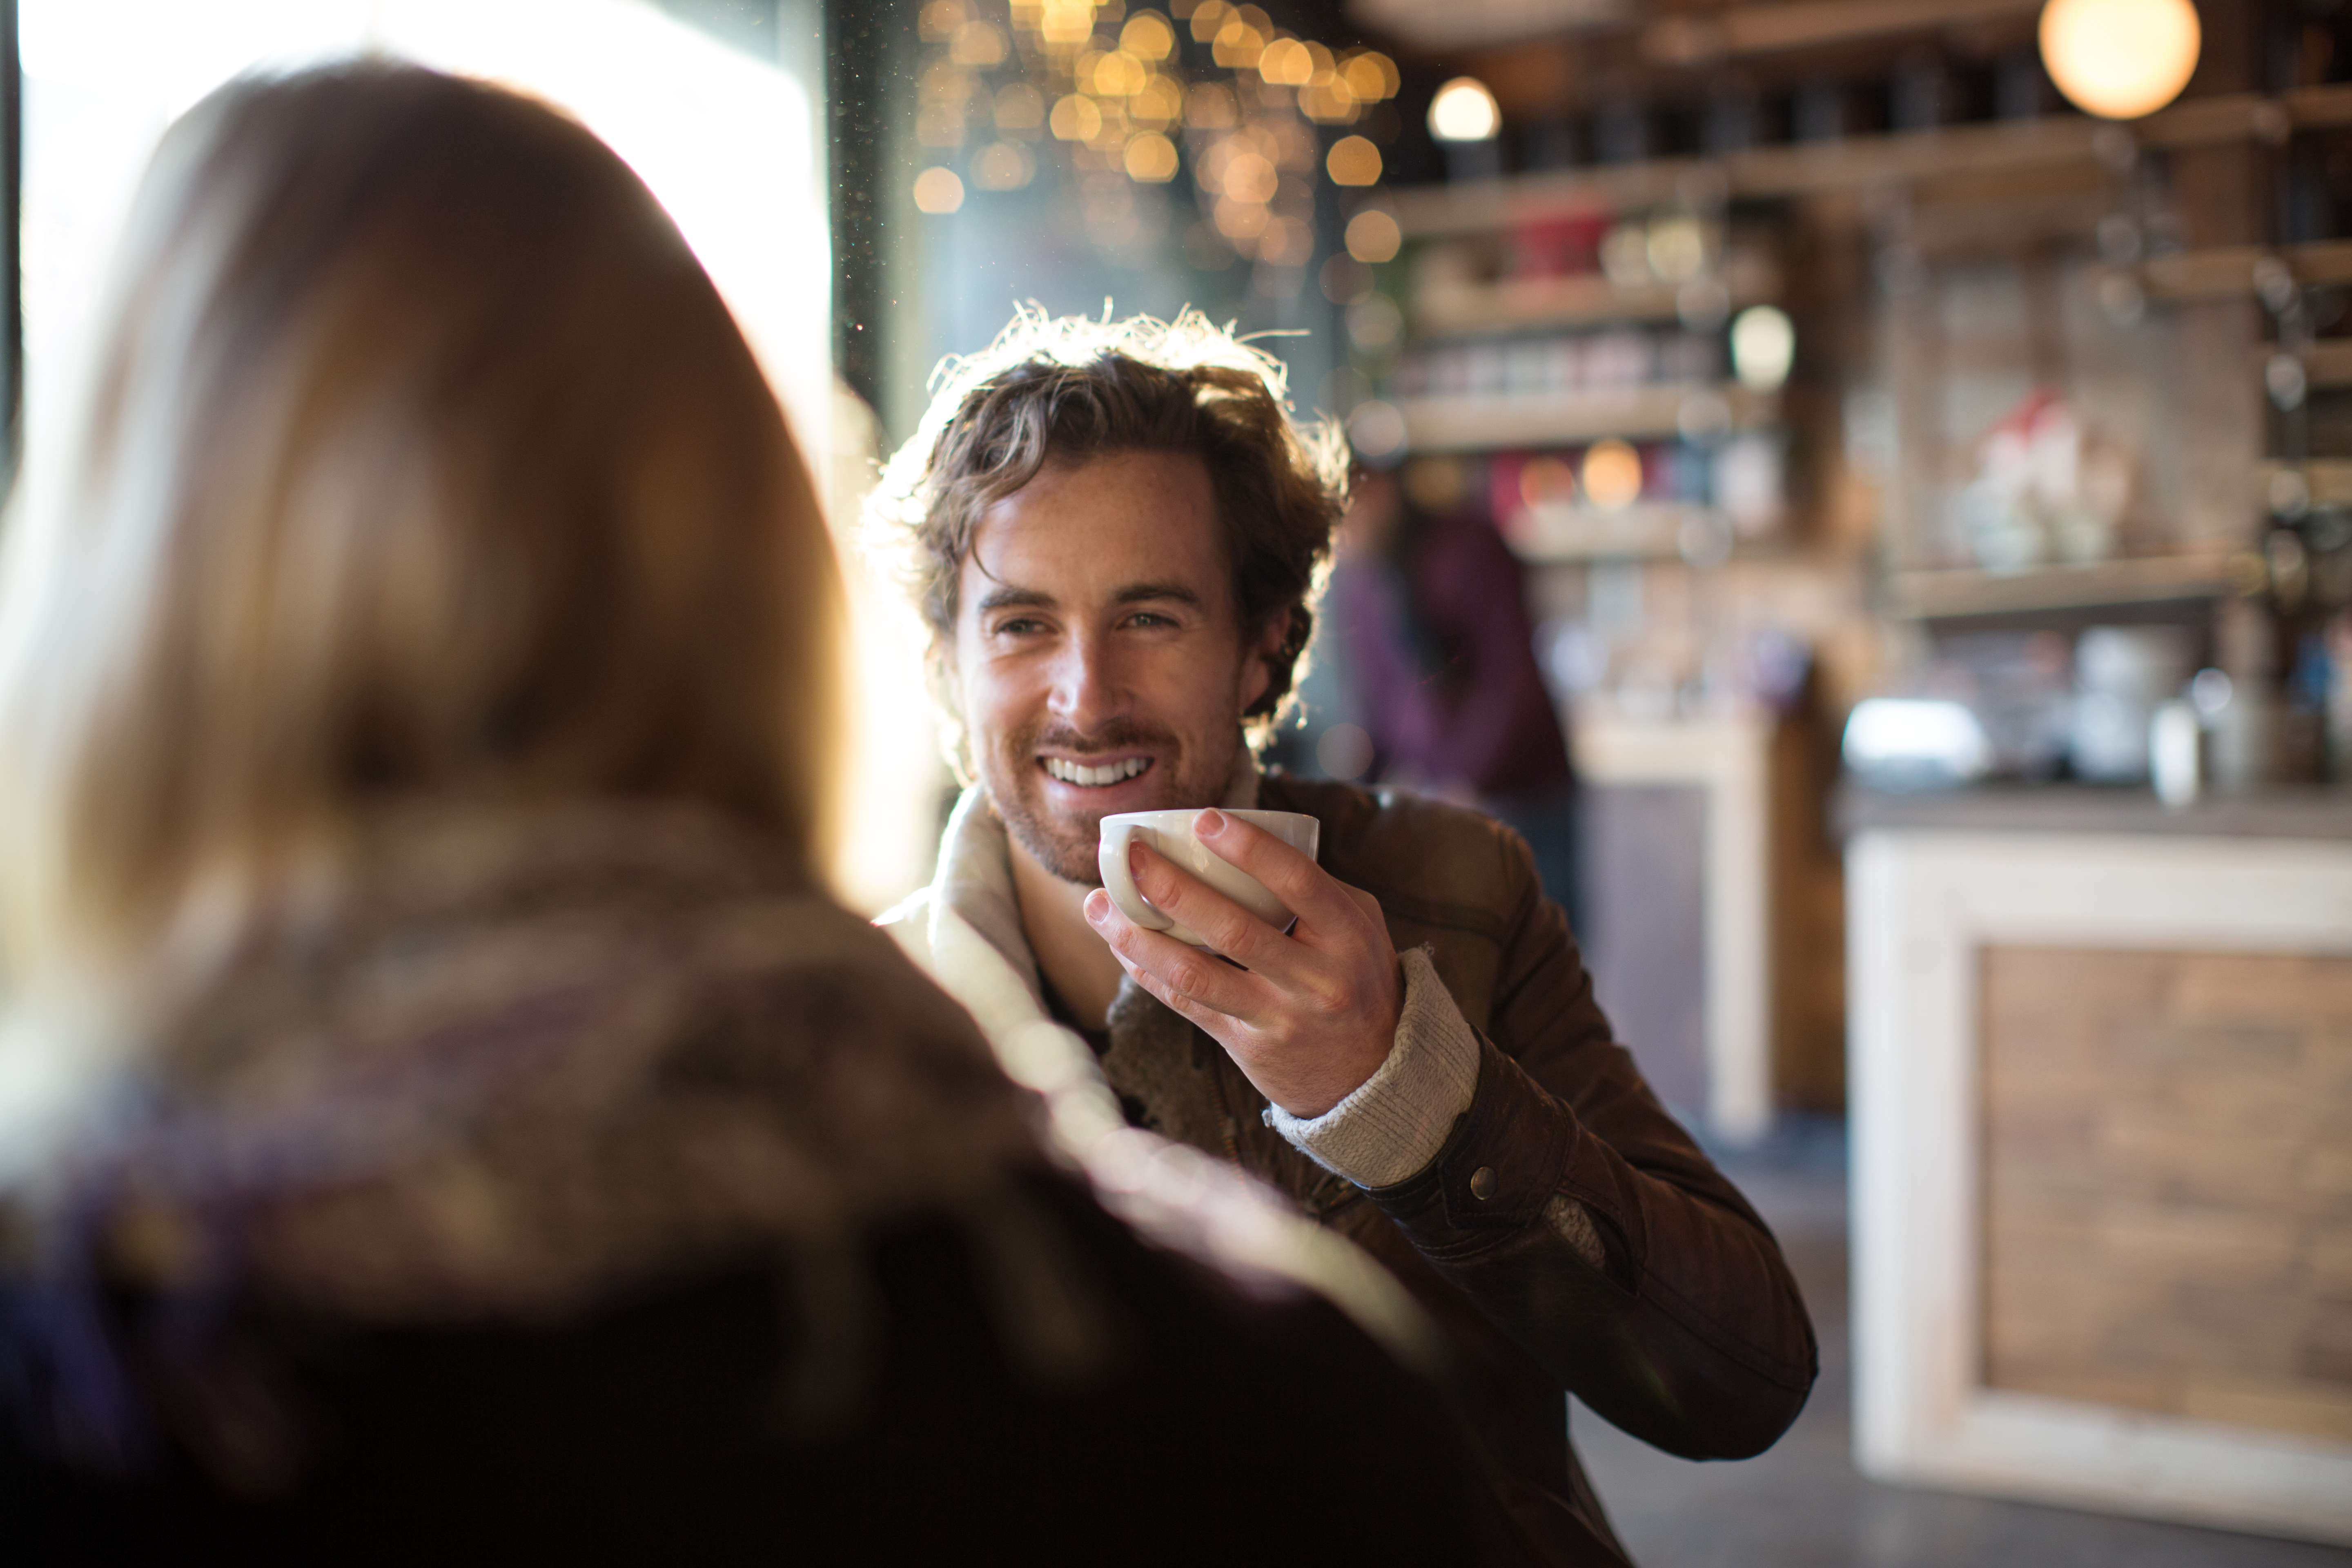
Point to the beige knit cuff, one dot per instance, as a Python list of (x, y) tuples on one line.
[(1394, 1124)]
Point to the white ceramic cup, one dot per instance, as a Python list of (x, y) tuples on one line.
[(1176, 833)]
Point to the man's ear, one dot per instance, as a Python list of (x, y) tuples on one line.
[(1257, 665)]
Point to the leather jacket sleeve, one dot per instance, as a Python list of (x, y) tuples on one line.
[(1691, 1334)]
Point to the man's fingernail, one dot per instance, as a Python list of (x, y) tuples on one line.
[(1134, 857), (1098, 905), (1210, 822)]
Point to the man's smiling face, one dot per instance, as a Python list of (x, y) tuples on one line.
[(1098, 655)]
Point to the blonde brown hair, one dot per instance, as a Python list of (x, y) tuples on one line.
[(1071, 389), (425, 464)]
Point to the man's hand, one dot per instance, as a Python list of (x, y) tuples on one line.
[(1310, 1014)]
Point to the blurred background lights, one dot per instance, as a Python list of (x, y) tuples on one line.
[(1001, 166), (1147, 36), (2120, 58), (1344, 751), (1020, 110), (977, 44), (1250, 177), (1375, 324), (1612, 475), (1285, 63), (1463, 110), (937, 190), (1676, 247), (1075, 118), (1120, 75), (1353, 161), (1371, 76), (1373, 237), (1547, 481), (1763, 346), (1377, 431), (1898, 743), (1151, 158)]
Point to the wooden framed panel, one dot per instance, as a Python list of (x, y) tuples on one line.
[(2098, 1084), (2168, 1182)]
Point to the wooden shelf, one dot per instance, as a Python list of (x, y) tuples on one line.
[(2326, 362), (1519, 304), (2226, 271), (1858, 162), (1488, 424), (2326, 481), (1698, 38), (1641, 532), (2139, 580)]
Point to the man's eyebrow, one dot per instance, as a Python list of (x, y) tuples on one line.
[(1011, 598), (1138, 593), (1015, 599)]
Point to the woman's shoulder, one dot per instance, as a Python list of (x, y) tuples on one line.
[(536, 1076)]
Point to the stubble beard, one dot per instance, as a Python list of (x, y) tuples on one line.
[(1066, 843)]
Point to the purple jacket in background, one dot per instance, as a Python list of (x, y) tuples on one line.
[(1441, 655)]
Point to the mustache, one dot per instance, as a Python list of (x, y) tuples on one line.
[(1122, 736)]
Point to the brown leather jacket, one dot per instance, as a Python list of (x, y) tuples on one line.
[(1693, 1337)]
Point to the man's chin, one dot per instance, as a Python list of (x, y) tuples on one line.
[(1063, 844), (1070, 857)]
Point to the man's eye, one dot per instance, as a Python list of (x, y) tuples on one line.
[(1151, 618), (1021, 628)]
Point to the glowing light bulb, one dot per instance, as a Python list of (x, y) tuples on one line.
[(1763, 346), (1463, 110), (2120, 58), (1612, 475)]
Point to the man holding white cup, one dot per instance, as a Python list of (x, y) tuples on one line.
[(1115, 534)]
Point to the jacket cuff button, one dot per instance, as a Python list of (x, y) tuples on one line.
[(1482, 1182)]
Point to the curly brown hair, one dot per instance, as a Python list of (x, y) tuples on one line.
[(1072, 389)]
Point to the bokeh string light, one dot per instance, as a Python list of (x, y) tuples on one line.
[(1142, 97)]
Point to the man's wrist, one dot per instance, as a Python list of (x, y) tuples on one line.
[(1394, 1124)]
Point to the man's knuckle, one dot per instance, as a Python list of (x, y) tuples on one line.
[(1328, 1001)]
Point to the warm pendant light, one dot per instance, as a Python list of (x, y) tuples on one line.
[(1463, 110), (2120, 58)]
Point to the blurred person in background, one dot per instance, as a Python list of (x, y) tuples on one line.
[(1115, 533), (1432, 621), (441, 1115)]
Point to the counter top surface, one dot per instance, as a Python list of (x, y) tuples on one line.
[(2308, 813)]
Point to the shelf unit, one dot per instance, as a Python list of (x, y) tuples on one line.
[(1547, 535), (2326, 481), (1957, 594), (2326, 362), (1861, 163), (1496, 421), (2224, 271), (1527, 304)]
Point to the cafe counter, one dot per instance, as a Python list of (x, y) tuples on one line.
[(2100, 1082)]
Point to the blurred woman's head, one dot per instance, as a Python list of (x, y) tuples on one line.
[(424, 465)]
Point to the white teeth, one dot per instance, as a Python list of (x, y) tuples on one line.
[(1109, 773)]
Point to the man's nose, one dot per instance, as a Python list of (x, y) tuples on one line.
[(1086, 688)]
